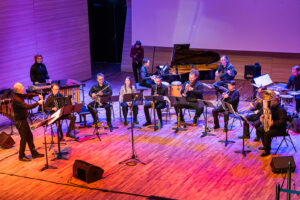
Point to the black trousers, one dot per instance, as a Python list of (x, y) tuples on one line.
[(135, 109), (190, 105), (158, 106), (266, 137), (92, 108), (298, 104), (256, 122), (135, 69), (72, 119), (216, 112), (26, 137)]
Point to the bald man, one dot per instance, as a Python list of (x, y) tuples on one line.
[(21, 113)]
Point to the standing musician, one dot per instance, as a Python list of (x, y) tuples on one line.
[(102, 89), (156, 90), (191, 90), (145, 79), (277, 124), (137, 55), (38, 71), (20, 109), (225, 72), (257, 108), (128, 88), (294, 83), (52, 106), (232, 97)]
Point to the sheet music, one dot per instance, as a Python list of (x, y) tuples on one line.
[(263, 80), (55, 116)]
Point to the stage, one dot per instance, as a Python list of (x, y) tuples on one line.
[(178, 165)]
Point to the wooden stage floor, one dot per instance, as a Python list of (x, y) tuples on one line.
[(178, 166)]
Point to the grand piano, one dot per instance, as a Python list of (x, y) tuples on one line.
[(184, 59)]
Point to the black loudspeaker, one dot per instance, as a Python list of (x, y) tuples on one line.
[(6, 140), (280, 164), (252, 71), (86, 172)]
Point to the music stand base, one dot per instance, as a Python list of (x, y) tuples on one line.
[(48, 167), (134, 160), (134, 126), (244, 152), (226, 142), (59, 156), (207, 134), (179, 129), (154, 127)]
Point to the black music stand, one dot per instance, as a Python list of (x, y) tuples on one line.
[(44, 124), (154, 99), (57, 116), (133, 160), (226, 141), (243, 152), (178, 100), (206, 104), (72, 109), (133, 97)]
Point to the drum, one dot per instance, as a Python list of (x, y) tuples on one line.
[(286, 99), (165, 83), (175, 89)]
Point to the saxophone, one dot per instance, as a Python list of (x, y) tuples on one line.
[(266, 96)]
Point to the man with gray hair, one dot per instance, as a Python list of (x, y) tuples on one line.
[(20, 115)]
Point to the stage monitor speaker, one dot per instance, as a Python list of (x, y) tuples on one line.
[(86, 172), (280, 164), (6, 140), (252, 71)]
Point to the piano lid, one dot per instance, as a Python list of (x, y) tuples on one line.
[(182, 55)]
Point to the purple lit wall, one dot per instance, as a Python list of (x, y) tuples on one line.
[(57, 29), (253, 25)]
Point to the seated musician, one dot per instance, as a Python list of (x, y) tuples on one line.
[(277, 124), (257, 109), (156, 90), (232, 97), (128, 88), (20, 115), (101, 89), (38, 71), (52, 106), (145, 79), (192, 90), (294, 84), (225, 72)]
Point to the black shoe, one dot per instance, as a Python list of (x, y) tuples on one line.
[(246, 137), (37, 155), (265, 154), (256, 139), (110, 127), (24, 159), (195, 122), (147, 124), (135, 121), (216, 127), (225, 130), (161, 124), (125, 123), (261, 148)]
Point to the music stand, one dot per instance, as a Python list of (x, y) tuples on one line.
[(178, 100), (226, 141), (53, 118), (243, 152), (154, 99), (44, 124), (72, 109), (206, 104), (133, 97), (133, 159)]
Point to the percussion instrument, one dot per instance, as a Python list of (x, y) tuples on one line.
[(286, 99), (294, 93), (175, 89), (6, 108)]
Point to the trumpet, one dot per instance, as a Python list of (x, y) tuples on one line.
[(186, 89)]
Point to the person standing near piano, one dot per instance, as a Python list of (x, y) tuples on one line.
[(101, 89), (158, 89), (192, 90), (225, 72), (128, 88), (232, 96), (38, 71), (52, 105), (137, 56), (294, 84), (20, 115)]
